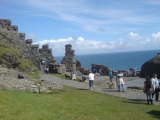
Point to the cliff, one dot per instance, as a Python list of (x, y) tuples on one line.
[(152, 66)]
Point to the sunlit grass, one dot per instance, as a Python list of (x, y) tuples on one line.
[(6, 48), (72, 104), (62, 76), (34, 75)]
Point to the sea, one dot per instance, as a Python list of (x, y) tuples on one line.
[(115, 61)]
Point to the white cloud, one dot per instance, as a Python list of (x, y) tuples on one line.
[(132, 42), (90, 16), (156, 35)]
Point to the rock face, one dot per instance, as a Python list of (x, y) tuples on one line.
[(9, 35), (102, 69), (70, 62), (152, 66)]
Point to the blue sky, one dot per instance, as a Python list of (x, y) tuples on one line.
[(91, 26)]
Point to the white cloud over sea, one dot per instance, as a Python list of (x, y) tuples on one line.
[(132, 42)]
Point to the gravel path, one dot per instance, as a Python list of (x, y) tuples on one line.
[(133, 94)]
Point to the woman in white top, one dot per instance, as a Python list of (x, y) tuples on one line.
[(156, 89), (155, 83)]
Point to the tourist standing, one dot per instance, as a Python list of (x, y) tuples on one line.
[(47, 69), (120, 81), (148, 89), (91, 79), (110, 75), (156, 90), (73, 76), (154, 78)]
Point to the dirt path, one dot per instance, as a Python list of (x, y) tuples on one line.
[(135, 95)]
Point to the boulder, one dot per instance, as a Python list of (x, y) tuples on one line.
[(150, 67)]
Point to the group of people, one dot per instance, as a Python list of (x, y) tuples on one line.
[(151, 87), (119, 80), (45, 66)]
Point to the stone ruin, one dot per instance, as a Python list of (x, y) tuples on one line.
[(102, 69), (150, 67), (71, 63), (9, 35)]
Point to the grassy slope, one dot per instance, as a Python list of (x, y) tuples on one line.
[(71, 104)]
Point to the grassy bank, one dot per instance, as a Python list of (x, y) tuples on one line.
[(72, 104)]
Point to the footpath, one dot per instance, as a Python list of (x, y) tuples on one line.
[(132, 94)]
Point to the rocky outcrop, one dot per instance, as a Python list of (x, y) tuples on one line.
[(10, 60), (71, 63), (9, 80), (150, 67), (102, 69)]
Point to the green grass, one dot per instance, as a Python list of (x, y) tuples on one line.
[(26, 63), (72, 104), (6, 48), (62, 76), (34, 75)]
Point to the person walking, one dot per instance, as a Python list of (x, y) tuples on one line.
[(148, 89), (110, 75), (157, 90), (154, 78), (91, 79), (120, 81)]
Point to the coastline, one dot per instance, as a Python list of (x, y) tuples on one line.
[(115, 61)]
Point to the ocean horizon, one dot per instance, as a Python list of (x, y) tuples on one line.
[(116, 60)]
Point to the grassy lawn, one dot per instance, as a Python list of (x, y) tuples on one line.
[(72, 104), (62, 76)]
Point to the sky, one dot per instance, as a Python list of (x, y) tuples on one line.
[(90, 26)]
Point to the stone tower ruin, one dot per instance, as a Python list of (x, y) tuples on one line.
[(70, 62)]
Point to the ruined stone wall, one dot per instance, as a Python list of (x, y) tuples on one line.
[(46, 54), (70, 62), (97, 68), (9, 35)]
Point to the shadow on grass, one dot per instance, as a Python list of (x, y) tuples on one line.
[(154, 113), (82, 89), (136, 101), (109, 90)]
